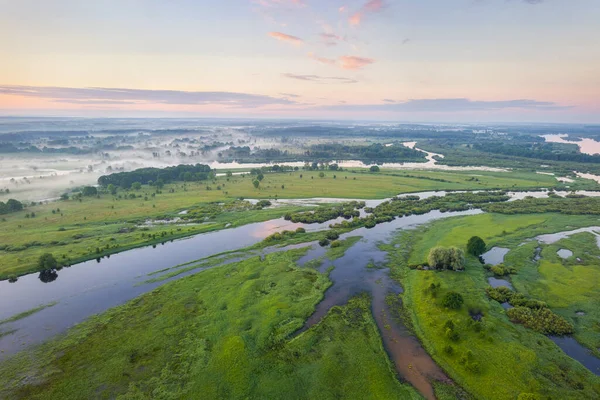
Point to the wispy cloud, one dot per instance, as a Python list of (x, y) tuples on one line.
[(369, 7), (286, 38), (330, 39), (320, 79), (344, 62), (290, 95), (449, 105), (322, 60), (389, 100), (352, 62), (107, 96)]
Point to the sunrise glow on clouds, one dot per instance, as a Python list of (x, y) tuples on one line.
[(463, 60)]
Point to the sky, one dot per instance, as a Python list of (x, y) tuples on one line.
[(392, 60)]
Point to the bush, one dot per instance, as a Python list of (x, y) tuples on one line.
[(47, 261), (541, 320), (300, 230), (332, 235), (323, 242), (374, 168), (453, 300), (335, 243)]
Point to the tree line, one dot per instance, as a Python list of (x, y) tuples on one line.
[(183, 172)]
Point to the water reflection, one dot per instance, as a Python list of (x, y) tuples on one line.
[(48, 275)]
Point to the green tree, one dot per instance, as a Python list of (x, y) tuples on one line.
[(260, 177), (453, 300), (476, 246), (256, 183), (112, 189), (321, 174), (47, 261), (160, 184), (374, 168), (229, 174), (89, 191), (137, 185)]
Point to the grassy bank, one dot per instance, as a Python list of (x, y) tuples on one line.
[(224, 333), (494, 358)]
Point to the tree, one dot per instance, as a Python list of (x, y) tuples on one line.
[(256, 183), (446, 258), (476, 246), (112, 189), (89, 191), (14, 205), (47, 261), (160, 184), (321, 174), (453, 300), (374, 168), (138, 185), (229, 174), (260, 177)]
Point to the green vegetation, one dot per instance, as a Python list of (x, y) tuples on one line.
[(570, 205), (446, 258), (26, 313), (478, 345), (568, 286), (226, 333), (87, 227), (476, 246)]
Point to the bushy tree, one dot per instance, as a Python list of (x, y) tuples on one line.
[(256, 183), (89, 191), (47, 261), (446, 258), (138, 185), (476, 246), (374, 168)]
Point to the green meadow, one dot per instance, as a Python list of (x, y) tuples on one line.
[(220, 334), (493, 358)]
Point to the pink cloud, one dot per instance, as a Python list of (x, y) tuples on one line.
[(286, 38), (322, 60), (352, 62), (370, 7), (344, 62)]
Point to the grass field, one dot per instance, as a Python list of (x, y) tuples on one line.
[(492, 359), (571, 287), (223, 333), (99, 226)]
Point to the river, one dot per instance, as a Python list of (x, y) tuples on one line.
[(92, 287)]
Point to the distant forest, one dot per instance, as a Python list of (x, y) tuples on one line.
[(542, 151), (198, 172), (375, 153)]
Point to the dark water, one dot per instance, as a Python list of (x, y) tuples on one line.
[(495, 282), (91, 287), (495, 255), (574, 350)]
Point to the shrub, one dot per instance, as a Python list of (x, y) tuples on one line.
[(323, 242), (47, 261), (335, 243), (332, 235), (300, 230), (453, 300), (541, 320)]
